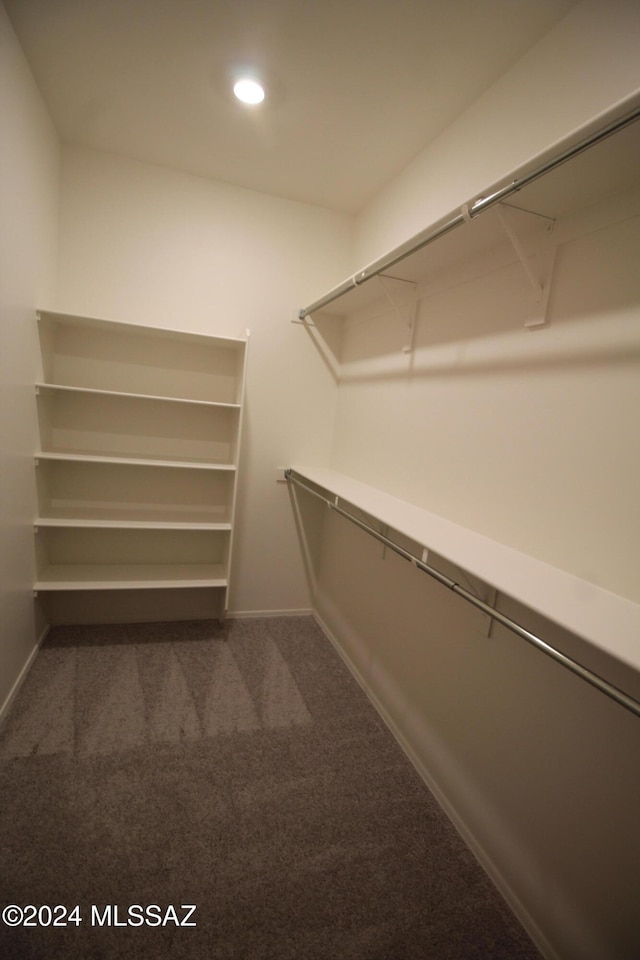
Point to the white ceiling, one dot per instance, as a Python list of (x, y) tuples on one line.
[(356, 87)]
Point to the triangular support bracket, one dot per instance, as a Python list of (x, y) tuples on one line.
[(538, 268), (407, 309)]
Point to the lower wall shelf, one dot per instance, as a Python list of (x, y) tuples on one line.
[(609, 621), (87, 523), (87, 576)]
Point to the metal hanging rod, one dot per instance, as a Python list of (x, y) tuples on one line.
[(592, 678), (467, 213)]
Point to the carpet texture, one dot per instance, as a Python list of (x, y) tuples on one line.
[(238, 768)]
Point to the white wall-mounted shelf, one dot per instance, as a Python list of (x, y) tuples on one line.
[(158, 576), (82, 422), (87, 489), (145, 361), (607, 620), (137, 472), (534, 197), (141, 396), (132, 461), (86, 523)]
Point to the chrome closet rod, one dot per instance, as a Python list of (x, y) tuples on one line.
[(428, 236), (596, 681)]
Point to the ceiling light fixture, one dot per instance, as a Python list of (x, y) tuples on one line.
[(249, 91)]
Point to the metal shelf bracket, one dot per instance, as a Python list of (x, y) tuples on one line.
[(540, 279), (407, 311)]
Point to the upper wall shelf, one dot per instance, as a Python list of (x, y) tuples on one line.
[(587, 168)]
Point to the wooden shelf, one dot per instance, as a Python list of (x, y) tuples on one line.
[(88, 523), (132, 461), (88, 576), (55, 318), (608, 620), (121, 425), (110, 356), (134, 396), (80, 490)]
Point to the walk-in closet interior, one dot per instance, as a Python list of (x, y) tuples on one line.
[(369, 367)]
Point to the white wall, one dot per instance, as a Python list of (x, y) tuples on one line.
[(29, 169), (529, 437), (147, 245), (583, 66), (526, 436)]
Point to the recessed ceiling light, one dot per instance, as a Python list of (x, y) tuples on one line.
[(249, 91)]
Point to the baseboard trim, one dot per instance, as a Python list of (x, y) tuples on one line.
[(22, 676), (488, 865)]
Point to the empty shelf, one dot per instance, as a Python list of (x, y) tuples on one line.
[(133, 461), (135, 396), (608, 620), (123, 524), (130, 576)]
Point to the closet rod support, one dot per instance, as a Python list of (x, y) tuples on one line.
[(545, 264), (522, 257), (410, 309)]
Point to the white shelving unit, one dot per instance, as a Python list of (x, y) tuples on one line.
[(137, 469)]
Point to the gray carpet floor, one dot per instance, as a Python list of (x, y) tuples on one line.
[(238, 768)]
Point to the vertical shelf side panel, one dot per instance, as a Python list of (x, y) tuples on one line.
[(242, 367)]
